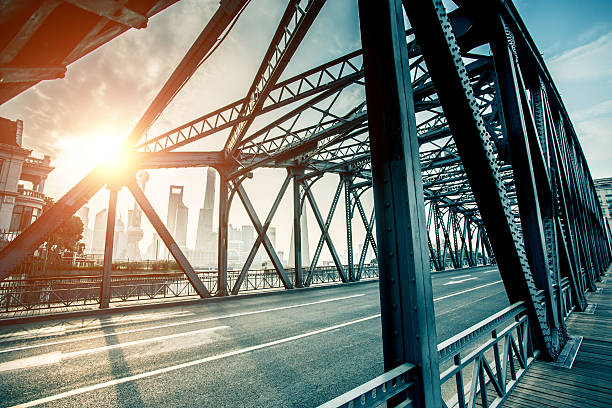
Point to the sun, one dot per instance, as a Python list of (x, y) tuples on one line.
[(100, 147)]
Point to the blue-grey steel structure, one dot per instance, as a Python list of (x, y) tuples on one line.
[(472, 158)]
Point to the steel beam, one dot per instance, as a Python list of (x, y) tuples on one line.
[(261, 230), (348, 180), (324, 226), (297, 173), (294, 25), (105, 290), (167, 238), (224, 209), (260, 237), (519, 128), (476, 149), (407, 311)]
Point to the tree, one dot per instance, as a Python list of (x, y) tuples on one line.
[(67, 235)]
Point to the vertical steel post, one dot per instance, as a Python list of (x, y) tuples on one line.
[(108, 248), (347, 178), (297, 226), (407, 311), (222, 289)]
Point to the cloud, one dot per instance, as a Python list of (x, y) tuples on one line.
[(589, 62), (593, 126)]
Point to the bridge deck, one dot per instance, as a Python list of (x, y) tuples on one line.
[(589, 382)]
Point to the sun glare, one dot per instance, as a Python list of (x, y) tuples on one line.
[(102, 146)]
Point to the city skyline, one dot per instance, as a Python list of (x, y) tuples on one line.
[(108, 112)]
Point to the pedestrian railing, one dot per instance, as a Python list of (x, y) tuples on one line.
[(377, 391), (500, 360), (567, 300), (485, 361), (27, 293)]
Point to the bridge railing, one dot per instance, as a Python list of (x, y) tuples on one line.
[(494, 364), (497, 351), (377, 391), (37, 293)]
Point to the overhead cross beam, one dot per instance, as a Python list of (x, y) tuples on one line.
[(298, 17)]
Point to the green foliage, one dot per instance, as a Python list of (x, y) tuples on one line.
[(67, 235)]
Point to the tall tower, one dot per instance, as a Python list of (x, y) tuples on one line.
[(134, 231), (205, 218)]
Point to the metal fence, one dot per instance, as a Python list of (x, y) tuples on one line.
[(490, 369), (37, 293)]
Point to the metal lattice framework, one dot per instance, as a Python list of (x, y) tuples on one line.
[(471, 154)]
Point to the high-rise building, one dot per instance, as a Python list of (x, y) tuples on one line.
[(205, 253), (178, 216), (205, 219), (604, 193), (99, 236), (83, 214), (154, 251), (99, 232)]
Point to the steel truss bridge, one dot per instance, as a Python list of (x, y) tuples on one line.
[(456, 128)]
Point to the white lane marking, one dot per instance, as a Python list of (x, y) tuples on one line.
[(206, 319), (57, 357), (111, 383), (34, 361), (187, 364), (467, 290), (65, 329), (461, 276), (454, 282)]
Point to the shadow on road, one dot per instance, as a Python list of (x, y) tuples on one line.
[(127, 393)]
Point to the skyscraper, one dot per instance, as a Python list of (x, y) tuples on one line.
[(205, 253), (177, 215), (205, 220), (99, 233)]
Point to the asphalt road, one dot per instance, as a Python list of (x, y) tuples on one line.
[(295, 349)]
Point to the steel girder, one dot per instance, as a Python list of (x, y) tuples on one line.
[(406, 299), (501, 164)]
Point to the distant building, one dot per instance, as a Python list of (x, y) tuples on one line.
[(99, 236), (99, 232), (83, 214), (22, 179), (154, 251), (205, 253), (178, 216), (604, 192), (134, 230)]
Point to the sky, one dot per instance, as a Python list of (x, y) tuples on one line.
[(80, 118)]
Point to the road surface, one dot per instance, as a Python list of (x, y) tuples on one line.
[(294, 349)]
